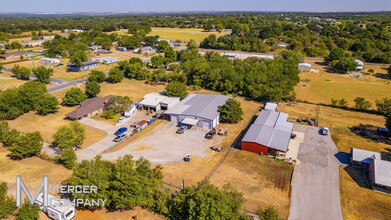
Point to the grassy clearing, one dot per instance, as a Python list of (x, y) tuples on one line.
[(7, 81), (357, 200), (49, 124), (340, 121), (321, 87), (103, 214), (263, 181), (112, 121), (183, 34), (31, 169)]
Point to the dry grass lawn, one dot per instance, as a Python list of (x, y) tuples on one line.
[(357, 200), (31, 169), (321, 87), (49, 124), (103, 214), (340, 121), (7, 81), (183, 34), (262, 180)]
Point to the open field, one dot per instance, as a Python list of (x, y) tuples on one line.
[(103, 214), (182, 34), (31, 169), (263, 181), (7, 80), (49, 124), (358, 201), (340, 121), (321, 87)]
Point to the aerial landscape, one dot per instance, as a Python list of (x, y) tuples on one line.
[(183, 110)]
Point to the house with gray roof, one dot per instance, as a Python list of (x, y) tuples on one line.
[(201, 110), (360, 158), (380, 174), (85, 66), (269, 132)]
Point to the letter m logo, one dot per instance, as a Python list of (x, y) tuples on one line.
[(20, 185)]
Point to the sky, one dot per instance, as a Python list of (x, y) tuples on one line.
[(52, 6)]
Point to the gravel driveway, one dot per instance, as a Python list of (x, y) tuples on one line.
[(315, 183)]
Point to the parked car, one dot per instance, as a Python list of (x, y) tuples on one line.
[(293, 136), (120, 131), (223, 131), (187, 158), (215, 148), (120, 138), (382, 131), (120, 120), (325, 131), (210, 134), (182, 129)]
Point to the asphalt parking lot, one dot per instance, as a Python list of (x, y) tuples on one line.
[(164, 145)]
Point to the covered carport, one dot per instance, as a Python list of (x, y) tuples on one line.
[(190, 121)]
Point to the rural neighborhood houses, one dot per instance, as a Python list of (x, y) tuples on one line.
[(85, 66), (147, 50), (201, 110), (89, 108)]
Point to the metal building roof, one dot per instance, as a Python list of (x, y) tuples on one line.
[(153, 99), (199, 105), (363, 156), (382, 173), (270, 129)]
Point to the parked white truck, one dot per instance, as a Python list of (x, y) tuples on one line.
[(54, 210)]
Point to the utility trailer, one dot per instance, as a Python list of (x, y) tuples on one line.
[(55, 211)]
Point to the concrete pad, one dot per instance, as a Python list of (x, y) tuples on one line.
[(294, 145)]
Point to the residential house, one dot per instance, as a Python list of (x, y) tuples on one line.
[(85, 66), (147, 50), (89, 108)]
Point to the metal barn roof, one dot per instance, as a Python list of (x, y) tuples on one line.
[(382, 171), (154, 99), (199, 105), (363, 156), (270, 129)]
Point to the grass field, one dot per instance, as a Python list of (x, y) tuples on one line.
[(7, 80), (321, 87), (340, 121), (263, 181), (183, 34), (358, 201)]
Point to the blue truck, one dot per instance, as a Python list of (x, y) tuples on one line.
[(120, 131)]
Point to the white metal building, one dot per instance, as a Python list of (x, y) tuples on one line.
[(157, 102), (304, 67), (200, 110), (49, 60)]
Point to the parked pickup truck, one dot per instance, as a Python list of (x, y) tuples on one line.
[(181, 130), (210, 134), (120, 131), (120, 138)]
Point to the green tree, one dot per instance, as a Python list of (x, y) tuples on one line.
[(27, 211), (73, 97), (7, 203), (343, 103), (269, 213), (68, 158), (115, 75), (362, 104), (21, 72), (96, 75), (157, 61), (92, 89), (1, 67), (177, 89), (345, 64), (231, 111), (163, 45), (334, 102), (389, 72), (383, 106), (78, 58), (4, 128), (9, 137), (192, 44), (118, 104), (71, 135), (26, 145), (43, 74), (335, 54), (47, 104), (387, 115)]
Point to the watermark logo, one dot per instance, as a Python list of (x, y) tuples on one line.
[(49, 200)]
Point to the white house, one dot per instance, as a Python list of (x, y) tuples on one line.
[(49, 60), (200, 110), (109, 60), (157, 102), (304, 67)]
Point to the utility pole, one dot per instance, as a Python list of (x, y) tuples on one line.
[(317, 116)]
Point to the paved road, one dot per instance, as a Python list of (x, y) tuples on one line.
[(64, 84), (315, 182)]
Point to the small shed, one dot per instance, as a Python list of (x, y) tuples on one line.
[(304, 67), (271, 106), (142, 124)]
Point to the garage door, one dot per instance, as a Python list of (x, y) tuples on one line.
[(174, 118), (206, 124)]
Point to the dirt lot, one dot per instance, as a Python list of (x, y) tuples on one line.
[(164, 145), (358, 200)]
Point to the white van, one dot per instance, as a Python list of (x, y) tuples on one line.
[(56, 212)]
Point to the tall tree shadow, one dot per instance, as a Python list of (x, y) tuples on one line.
[(358, 176), (370, 132)]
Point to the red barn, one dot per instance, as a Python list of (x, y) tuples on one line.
[(270, 131)]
